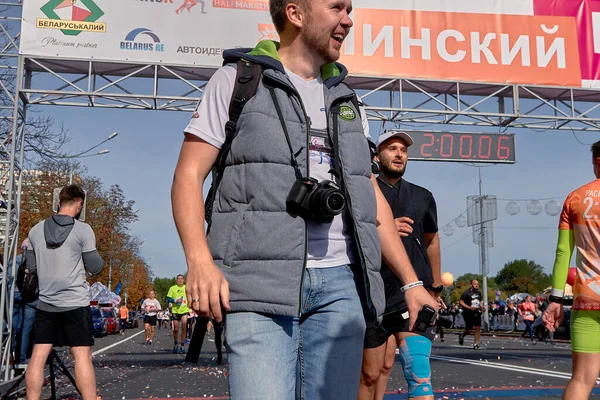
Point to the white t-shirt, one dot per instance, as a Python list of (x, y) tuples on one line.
[(151, 307), (329, 245)]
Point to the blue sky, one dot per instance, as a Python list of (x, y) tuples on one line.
[(143, 156)]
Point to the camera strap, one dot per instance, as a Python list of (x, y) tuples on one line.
[(337, 164), (285, 131)]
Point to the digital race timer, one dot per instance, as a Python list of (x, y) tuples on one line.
[(462, 147)]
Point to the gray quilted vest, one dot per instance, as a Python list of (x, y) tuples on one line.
[(258, 246)]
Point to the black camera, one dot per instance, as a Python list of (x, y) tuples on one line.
[(427, 317), (314, 200)]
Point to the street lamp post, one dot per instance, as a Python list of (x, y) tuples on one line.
[(84, 154), (105, 151)]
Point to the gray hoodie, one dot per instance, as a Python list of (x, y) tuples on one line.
[(61, 250)]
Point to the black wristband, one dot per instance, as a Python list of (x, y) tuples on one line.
[(437, 289), (555, 299)]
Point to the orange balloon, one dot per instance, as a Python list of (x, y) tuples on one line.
[(571, 276), (447, 279)]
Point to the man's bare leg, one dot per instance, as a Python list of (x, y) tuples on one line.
[(388, 363), (175, 331), (183, 328), (586, 367), (147, 332), (34, 377), (400, 337), (371, 370), (84, 372), (477, 334)]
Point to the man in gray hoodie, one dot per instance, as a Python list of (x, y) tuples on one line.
[(61, 250)]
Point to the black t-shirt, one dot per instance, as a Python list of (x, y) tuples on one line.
[(472, 298), (417, 203)]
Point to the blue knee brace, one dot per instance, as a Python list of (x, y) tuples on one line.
[(414, 355)]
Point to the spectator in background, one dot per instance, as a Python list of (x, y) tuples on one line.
[(24, 309), (124, 315), (527, 312), (501, 307), (493, 310), (512, 311)]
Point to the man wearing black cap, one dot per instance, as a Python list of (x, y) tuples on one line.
[(415, 215)]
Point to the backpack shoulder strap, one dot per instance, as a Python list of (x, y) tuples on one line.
[(246, 84), (247, 79), (357, 103)]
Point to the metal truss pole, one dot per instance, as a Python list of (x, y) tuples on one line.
[(11, 229), (12, 130)]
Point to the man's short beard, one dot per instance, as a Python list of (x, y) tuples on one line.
[(392, 174)]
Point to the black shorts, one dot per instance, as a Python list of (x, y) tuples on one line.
[(67, 328), (375, 335), (393, 322), (471, 319), (150, 319), (123, 323), (177, 317)]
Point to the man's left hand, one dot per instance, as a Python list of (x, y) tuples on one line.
[(436, 296), (416, 298)]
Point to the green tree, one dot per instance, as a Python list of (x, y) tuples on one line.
[(161, 287), (522, 276)]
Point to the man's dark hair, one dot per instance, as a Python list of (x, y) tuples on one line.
[(180, 275), (595, 149), (70, 193), (277, 9)]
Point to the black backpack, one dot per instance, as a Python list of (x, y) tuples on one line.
[(27, 282)]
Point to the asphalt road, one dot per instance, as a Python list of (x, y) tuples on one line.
[(504, 368)]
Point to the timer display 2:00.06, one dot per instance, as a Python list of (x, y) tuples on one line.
[(467, 147)]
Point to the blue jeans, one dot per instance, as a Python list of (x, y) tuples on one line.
[(23, 318), (528, 328), (494, 324), (317, 356)]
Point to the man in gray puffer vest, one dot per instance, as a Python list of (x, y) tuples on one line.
[(295, 264)]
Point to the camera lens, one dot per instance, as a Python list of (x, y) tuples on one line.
[(336, 202)]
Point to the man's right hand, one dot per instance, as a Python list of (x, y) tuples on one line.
[(404, 225), (553, 316), (416, 298), (207, 291)]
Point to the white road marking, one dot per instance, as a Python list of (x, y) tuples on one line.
[(514, 368), (116, 344)]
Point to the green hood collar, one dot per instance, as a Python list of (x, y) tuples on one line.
[(269, 48)]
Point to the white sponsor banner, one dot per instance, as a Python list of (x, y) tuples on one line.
[(172, 32), (504, 41), (179, 32), (516, 7)]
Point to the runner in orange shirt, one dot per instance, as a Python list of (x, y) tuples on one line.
[(527, 312), (124, 314), (580, 227)]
